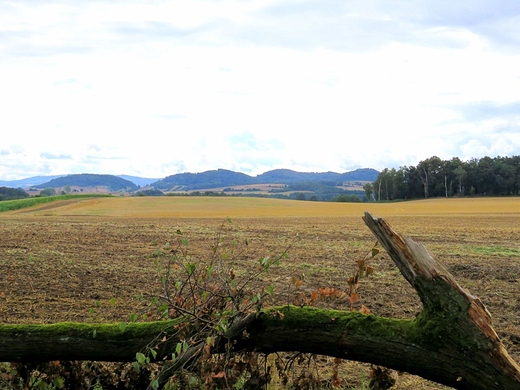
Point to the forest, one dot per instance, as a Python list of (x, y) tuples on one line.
[(7, 193), (434, 177)]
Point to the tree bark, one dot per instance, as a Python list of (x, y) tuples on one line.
[(451, 341)]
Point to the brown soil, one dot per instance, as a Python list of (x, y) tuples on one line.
[(91, 268)]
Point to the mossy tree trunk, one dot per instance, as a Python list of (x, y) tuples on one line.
[(451, 341)]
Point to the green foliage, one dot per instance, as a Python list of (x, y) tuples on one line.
[(7, 193), (48, 192), (433, 177), (149, 193), (212, 297), (347, 198)]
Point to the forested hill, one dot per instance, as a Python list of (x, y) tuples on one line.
[(287, 176), (208, 179), (113, 183), (226, 178)]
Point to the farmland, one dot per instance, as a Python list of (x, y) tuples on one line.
[(87, 259)]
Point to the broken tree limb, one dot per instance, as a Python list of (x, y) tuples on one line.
[(451, 341), (458, 321)]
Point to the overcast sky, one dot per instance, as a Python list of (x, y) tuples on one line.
[(154, 88)]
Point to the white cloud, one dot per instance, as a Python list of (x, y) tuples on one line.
[(158, 88)]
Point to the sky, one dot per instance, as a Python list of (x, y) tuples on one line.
[(154, 88)]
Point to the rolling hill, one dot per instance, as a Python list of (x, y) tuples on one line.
[(113, 183), (316, 185), (225, 178)]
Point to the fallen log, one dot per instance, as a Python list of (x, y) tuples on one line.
[(451, 341)]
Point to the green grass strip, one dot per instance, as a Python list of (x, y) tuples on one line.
[(17, 204)]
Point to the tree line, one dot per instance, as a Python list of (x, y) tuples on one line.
[(7, 193), (434, 177)]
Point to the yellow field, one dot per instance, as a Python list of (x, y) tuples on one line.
[(209, 207)]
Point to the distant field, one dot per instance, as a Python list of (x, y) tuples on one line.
[(243, 207)]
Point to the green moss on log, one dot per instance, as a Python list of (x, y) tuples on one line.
[(351, 322), (100, 332)]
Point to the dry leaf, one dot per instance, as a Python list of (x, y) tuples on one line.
[(364, 310)]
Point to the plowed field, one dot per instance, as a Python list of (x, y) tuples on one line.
[(88, 259)]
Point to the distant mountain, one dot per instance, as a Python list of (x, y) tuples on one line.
[(208, 179), (287, 176), (28, 182), (36, 181), (225, 178), (113, 183), (362, 174), (193, 181), (140, 181)]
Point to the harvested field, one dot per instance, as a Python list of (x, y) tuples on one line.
[(88, 259)]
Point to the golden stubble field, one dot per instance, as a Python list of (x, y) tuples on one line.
[(88, 259)]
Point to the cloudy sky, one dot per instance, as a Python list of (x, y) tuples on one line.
[(154, 88)]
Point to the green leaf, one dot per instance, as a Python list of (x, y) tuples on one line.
[(136, 366), (190, 268), (178, 232), (178, 348), (165, 313), (185, 346), (122, 326), (264, 261), (153, 352), (269, 290), (94, 333), (154, 384), (58, 383), (141, 359), (133, 317)]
